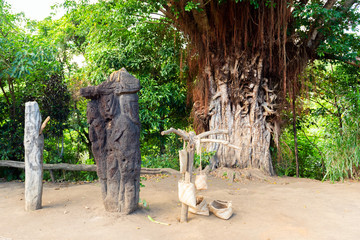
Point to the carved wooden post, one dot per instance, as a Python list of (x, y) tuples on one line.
[(188, 174), (113, 115), (34, 145)]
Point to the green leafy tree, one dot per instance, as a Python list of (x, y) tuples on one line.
[(30, 70), (327, 125)]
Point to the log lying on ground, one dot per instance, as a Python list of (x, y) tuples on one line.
[(83, 167)]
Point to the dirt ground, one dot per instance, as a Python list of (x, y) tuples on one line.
[(276, 208)]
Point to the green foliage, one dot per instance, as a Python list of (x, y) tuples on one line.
[(192, 6), (310, 160), (205, 158), (30, 70), (160, 161), (327, 126), (343, 153)]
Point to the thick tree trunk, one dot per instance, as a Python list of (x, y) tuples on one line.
[(241, 102)]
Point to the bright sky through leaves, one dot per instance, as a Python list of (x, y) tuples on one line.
[(34, 9)]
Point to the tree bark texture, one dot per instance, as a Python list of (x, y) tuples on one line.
[(115, 137), (242, 106), (34, 146)]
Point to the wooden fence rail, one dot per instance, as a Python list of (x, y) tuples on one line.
[(82, 167)]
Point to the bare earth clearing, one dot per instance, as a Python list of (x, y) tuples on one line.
[(277, 208)]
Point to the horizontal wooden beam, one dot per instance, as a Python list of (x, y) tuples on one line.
[(82, 167)]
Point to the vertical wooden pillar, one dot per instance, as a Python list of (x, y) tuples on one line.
[(187, 178), (34, 146)]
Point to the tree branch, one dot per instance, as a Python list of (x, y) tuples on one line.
[(326, 109), (355, 62), (201, 18), (164, 23), (6, 96), (218, 131), (179, 132), (313, 33), (44, 125)]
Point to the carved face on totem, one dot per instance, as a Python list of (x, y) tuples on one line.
[(129, 107), (108, 106), (92, 111)]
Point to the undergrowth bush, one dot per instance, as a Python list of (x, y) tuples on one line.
[(161, 161), (343, 155), (310, 160), (205, 158)]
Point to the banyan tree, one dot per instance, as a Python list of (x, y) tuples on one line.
[(247, 55), (244, 58)]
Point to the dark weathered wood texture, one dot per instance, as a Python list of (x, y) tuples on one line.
[(113, 115)]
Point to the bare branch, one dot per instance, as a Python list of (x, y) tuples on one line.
[(355, 64), (313, 33), (44, 125), (218, 131), (179, 132)]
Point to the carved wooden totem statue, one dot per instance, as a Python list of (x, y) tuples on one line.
[(113, 115)]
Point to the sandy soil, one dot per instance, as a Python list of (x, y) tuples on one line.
[(278, 208)]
